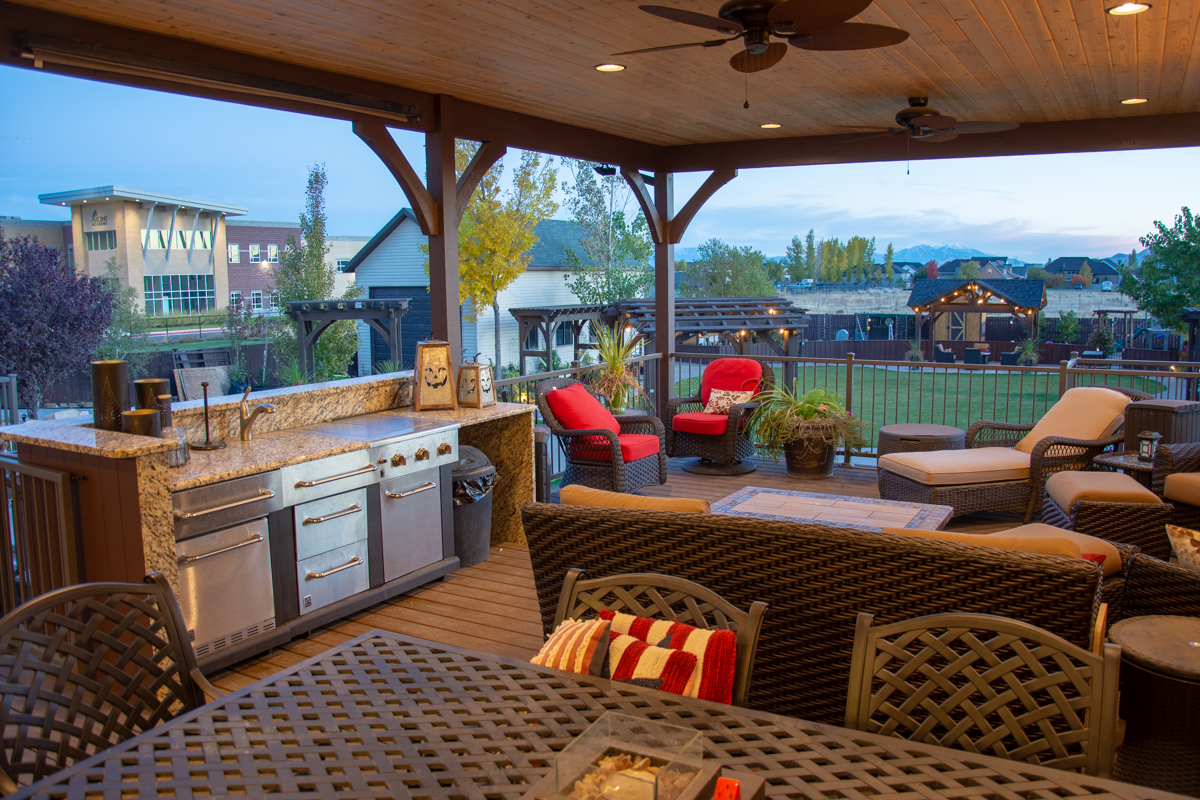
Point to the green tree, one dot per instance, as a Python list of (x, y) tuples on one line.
[(302, 274), (969, 270), (724, 270), (123, 337), (616, 252), (775, 270), (1085, 272), (1054, 280), (811, 263), (1068, 326), (794, 261), (889, 272), (1169, 278)]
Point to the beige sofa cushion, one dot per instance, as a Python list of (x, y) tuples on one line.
[(1183, 487), (1036, 531), (1085, 412), (1068, 488), (575, 495), (1046, 546), (953, 467)]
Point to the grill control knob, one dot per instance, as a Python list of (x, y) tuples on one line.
[(398, 460), (382, 460), (444, 449), (422, 454)]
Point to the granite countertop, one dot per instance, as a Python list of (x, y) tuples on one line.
[(263, 453), (471, 416), (74, 438)]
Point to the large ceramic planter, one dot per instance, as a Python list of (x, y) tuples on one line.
[(809, 459)]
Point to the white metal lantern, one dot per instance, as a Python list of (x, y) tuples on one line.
[(1147, 442)]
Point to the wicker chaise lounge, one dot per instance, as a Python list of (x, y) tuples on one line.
[(1005, 466)]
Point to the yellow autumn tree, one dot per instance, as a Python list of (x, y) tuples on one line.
[(496, 234)]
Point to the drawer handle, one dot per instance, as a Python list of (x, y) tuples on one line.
[(351, 510), (255, 538), (305, 484), (353, 562), (263, 494), (424, 488)]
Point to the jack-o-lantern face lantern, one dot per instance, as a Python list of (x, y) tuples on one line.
[(485, 380), (475, 385), (436, 377), (434, 388)]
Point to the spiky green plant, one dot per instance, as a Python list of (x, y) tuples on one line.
[(613, 380), (387, 365), (1028, 354), (815, 418)]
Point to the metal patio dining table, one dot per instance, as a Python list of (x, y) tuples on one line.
[(388, 716)]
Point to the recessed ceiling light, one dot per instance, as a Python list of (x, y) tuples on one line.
[(1126, 9), (770, 125), (609, 67), (1133, 101)]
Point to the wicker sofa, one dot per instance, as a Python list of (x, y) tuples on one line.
[(816, 580)]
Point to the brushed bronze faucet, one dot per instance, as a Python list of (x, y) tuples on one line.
[(248, 416)]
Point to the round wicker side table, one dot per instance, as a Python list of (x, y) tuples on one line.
[(1160, 702), (915, 437)]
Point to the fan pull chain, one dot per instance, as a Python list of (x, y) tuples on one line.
[(747, 103), (908, 154)]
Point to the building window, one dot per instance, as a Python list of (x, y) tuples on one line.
[(235, 300), (100, 240), (342, 263), (235, 254), (179, 294), (256, 301), (531, 341), (275, 300), (71, 255), (273, 253), (564, 335), (255, 257)]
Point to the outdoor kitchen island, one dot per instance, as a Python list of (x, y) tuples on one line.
[(266, 539)]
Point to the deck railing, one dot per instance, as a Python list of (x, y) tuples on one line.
[(39, 542)]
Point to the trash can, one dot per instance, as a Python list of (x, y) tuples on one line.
[(473, 478)]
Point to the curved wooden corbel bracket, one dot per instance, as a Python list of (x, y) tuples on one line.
[(383, 145), (671, 231), (487, 155)]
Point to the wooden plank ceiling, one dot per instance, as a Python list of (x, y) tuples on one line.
[(1013, 60)]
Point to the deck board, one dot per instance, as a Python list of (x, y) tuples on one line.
[(492, 606)]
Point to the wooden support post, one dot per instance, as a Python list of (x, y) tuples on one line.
[(664, 292), (443, 245)]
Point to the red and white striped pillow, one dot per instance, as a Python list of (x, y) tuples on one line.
[(715, 651), (579, 646)]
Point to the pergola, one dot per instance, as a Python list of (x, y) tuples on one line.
[(546, 321), (519, 73), (974, 297), (313, 318)]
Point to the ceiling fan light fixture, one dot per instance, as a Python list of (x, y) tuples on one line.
[(610, 67), (1128, 9), (1133, 101), (770, 126)]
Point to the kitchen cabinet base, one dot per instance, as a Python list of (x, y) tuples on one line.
[(343, 608)]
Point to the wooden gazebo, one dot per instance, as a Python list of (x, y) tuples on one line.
[(546, 321), (956, 307)]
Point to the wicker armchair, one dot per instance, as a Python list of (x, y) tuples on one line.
[(943, 356), (986, 685), (594, 456), (727, 453), (85, 668), (1168, 460), (1051, 454), (1153, 586)]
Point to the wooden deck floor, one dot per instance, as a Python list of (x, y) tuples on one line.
[(492, 607)]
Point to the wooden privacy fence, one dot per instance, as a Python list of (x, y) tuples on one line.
[(39, 541)]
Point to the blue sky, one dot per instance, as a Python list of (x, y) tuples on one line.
[(72, 134)]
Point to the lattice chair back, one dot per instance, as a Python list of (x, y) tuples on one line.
[(87, 667), (987, 685), (646, 594)]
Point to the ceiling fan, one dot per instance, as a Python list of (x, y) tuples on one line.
[(924, 124), (806, 24)]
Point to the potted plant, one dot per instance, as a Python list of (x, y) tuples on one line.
[(1028, 354), (613, 379), (1102, 339), (803, 428)]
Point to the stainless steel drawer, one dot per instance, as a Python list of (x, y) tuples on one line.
[(326, 476), (332, 576), (331, 522), (411, 519), (220, 505)]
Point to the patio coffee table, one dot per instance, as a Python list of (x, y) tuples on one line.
[(866, 513)]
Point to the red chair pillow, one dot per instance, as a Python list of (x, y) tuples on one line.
[(577, 410), (732, 375), (699, 422)]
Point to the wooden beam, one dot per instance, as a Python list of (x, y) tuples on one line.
[(381, 142), (658, 224), (487, 155), (707, 189), (664, 292), (445, 316)]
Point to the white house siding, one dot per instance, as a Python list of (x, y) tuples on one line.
[(396, 261), (534, 289)]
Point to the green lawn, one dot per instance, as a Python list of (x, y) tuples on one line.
[(887, 396)]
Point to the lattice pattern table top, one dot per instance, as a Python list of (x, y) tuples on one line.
[(387, 716)]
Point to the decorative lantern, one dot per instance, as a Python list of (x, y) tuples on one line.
[(433, 383), (1147, 442), (476, 385)]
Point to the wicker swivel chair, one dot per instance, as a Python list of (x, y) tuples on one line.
[(599, 457), (1176, 479), (666, 597), (85, 668), (722, 441), (987, 685), (972, 355), (1010, 476)]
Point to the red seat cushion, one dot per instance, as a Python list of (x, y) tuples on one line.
[(699, 422), (730, 374), (577, 410), (633, 447)]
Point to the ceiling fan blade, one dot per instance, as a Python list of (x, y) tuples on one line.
[(692, 18), (851, 36), (746, 61), (807, 16), (940, 136), (937, 122), (713, 43), (983, 126), (868, 136)]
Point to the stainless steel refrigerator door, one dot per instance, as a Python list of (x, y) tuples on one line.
[(411, 519)]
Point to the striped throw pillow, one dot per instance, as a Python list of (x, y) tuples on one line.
[(715, 651), (634, 661), (578, 646)]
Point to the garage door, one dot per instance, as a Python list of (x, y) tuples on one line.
[(416, 325)]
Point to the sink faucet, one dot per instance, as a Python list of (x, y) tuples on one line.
[(249, 416)]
